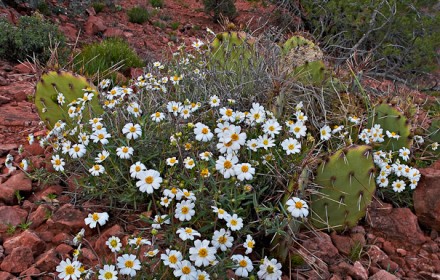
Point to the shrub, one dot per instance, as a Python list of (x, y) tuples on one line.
[(98, 7), (402, 35), (215, 8), (175, 25), (138, 15), (31, 37), (99, 58), (156, 3)]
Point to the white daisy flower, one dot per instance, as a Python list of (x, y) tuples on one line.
[(202, 254), (382, 181), (136, 169), (138, 241), (270, 270), (185, 271), (172, 161), (187, 233), (265, 142), (93, 219), (158, 117), (202, 132), (165, 201), (244, 171), (149, 181), (124, 152), (272, 127), (189, 163), (233, 222), (102, 156), (108, 273), (222, 239), (100, 136), (249, 244), (132, 131), (325, 133), (151, 253), (58, 163), (214, 101), (128, 264), (174, 107), (69, 270), (206, 156), (298, 208), (225, 165), (252, 144), (97, 170), (171, 258), (404, 153), (184, 210), (244, 265), (77, 151), (398, 186), (114, 243), (291, 146)]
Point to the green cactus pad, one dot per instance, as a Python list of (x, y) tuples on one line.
[(231, 49), (347, 185), (71, 86), (392, 120)]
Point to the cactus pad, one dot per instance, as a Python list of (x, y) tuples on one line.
[(392, 120), (231, 49), (347, 186), (71, 86)]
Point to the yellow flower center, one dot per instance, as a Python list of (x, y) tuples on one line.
[(149, 179), (227, 164), (291, 147), (132, 129), (234, 222), (270, 269), (205, 130), (125, 150), (172, 259), (114, 243), (185, 210), (243, 263), (186, 270), (235, 137), (57, 162), (324, 132), (129, 263), (222, 239), (77, 149), (188, 230), (271, 128), (108, 275), (250, 244), (228, 112), (204, 172), (96, 167), (298, 205), (137, 168), (100, 136), (244, 168), (69, 270), (95, 217), (173, 190), (297, 129), (266, 142), (203, 253)]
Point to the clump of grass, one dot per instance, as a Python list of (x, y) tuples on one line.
[(356, 252), (175, 25), (98, 58), (138, 15), (156, 3), (98, 6)]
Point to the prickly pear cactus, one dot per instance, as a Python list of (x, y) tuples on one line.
[(231, 49), (302, 59), (71, 86), (392, 120), (347, 185)]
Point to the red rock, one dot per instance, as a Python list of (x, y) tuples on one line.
[(113, 32), (7, 195), (47, 261), (64, 250), (357, 271), (42, 194), (100, 247), (136, 72), (344, 244), (94, 25), (11, 215), (70, 31), (390, 265), (30, 272), (25, 239), (17, 91), (33, 150), (321, 246), (25, 68), (18, 260), (6, 276), (18, 182), (426, 204), (400, 225), (376, 254), (401, 252), (68, 218), (383, 275), (430, 247), (62, 238), (389, 248), (39, 216), (88, 256)]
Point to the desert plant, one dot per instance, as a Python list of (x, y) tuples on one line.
[(218, 8), (98, 6), (32, 37), (156, 3), (102, 59), (138, 15)]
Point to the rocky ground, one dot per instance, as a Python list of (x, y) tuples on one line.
[(37, 226)]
